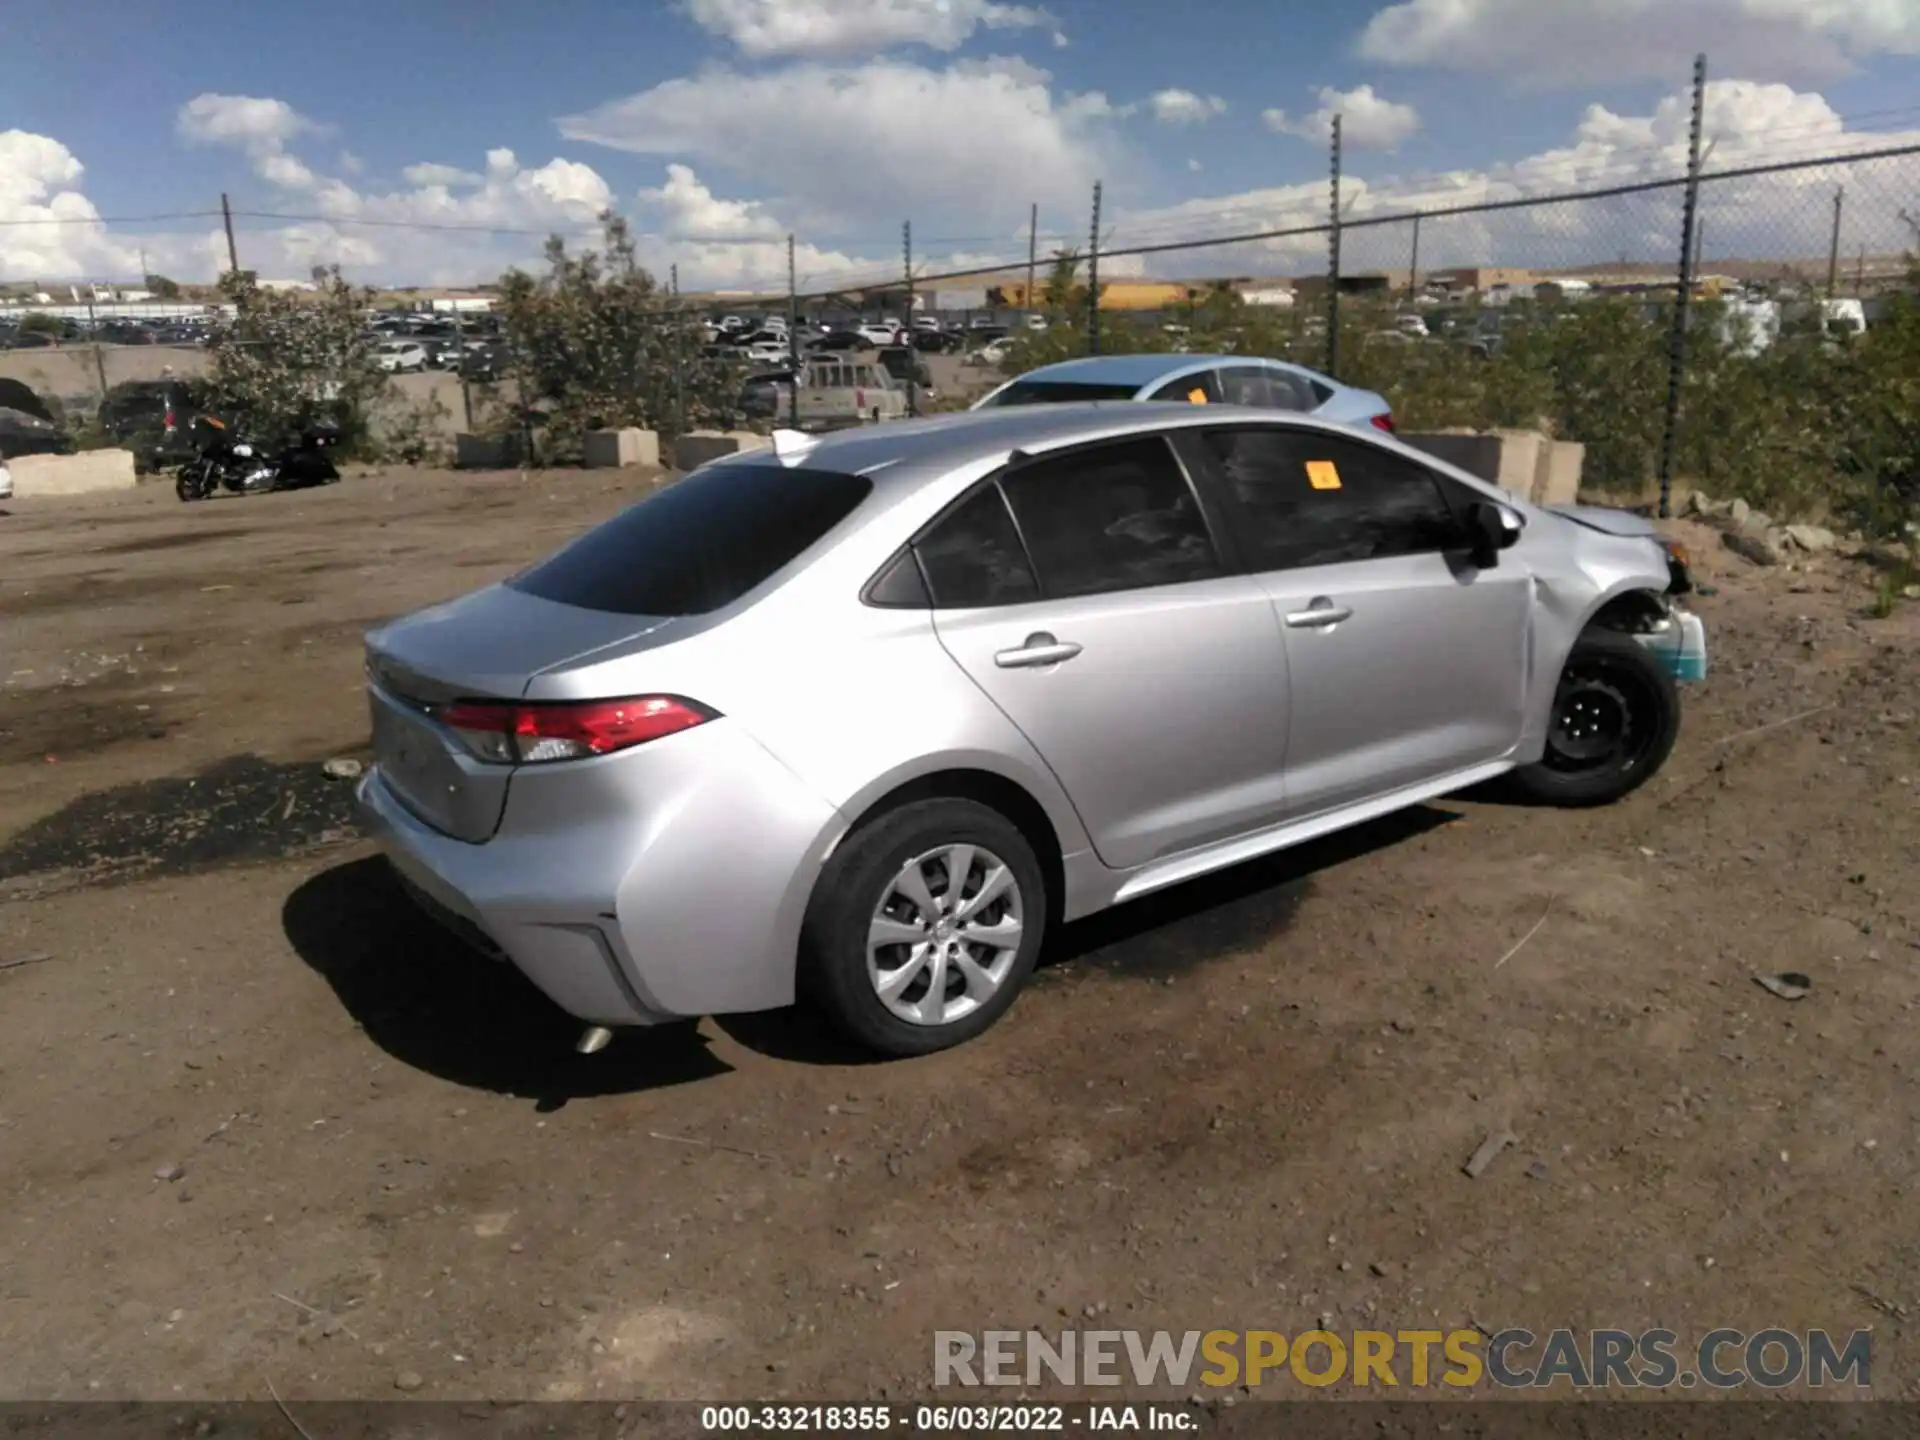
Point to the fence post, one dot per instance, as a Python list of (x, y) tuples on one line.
[(1333, 262), (1833, 247), (679, 352), (1413, 269), (793, 337), (1683, 298), (1033, 248), (913, 353), (1093, 277)]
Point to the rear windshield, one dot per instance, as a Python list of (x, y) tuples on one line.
[(699, 545), (1059, 392)]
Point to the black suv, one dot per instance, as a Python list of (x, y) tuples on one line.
[(153, 419)]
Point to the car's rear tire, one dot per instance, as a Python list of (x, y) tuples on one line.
[(1616, 714), (880, 991)]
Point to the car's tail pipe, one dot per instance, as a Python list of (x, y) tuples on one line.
[(593, 1040)]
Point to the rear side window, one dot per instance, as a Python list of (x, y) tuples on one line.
[(698, 545), (1058, 392), (1265, 388), (973, 556), (1308, 498), (1113, 517)]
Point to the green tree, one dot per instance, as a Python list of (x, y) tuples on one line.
[(596, 343), (39, 323), (163, 288), (288, 360)]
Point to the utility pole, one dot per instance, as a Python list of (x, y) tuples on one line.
[(1833, 248), (1413, 271), (1683, 298), (226, 216), (913, 355), (1093, 277), (1033, 250), (1333, 261), (793, 337)]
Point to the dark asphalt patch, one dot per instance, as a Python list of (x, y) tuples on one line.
[(238, 810)]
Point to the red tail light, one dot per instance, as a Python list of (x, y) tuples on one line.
[(168, 421), (1383, 421), (538, 732)]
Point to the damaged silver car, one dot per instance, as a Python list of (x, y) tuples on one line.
[(862, 719)]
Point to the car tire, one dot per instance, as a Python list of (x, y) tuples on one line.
[(841, 972), (1616, 715)]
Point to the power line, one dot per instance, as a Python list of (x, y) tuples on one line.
[(114, 219)]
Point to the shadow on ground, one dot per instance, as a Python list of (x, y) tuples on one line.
[(430, 1001), (433, 1002)]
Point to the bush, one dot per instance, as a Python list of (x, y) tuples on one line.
[(289, 360), (596, 344)]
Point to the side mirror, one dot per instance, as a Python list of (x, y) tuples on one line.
[(1491, 528)]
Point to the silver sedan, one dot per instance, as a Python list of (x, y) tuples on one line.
[(861, 719)]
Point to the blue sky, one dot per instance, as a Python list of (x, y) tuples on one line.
[(721, 124)]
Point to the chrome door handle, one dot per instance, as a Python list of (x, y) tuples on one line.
[(1318, 616), (1039, 648)]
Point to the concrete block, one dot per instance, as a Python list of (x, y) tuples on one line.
[(612, 449), (697, 447), (1558, 479), (1464, 449), (1515, 460), (485, 452), (1520, 460), (82, 474)]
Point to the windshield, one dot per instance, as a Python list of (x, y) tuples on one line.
[(1059, 392)]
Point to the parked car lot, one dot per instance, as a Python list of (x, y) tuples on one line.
[(363, 1117)]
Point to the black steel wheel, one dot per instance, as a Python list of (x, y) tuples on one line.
[(1615, 717)]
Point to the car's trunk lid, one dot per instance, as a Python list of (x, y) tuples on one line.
[(485, 646)]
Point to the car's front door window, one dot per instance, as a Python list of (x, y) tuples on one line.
[(1308, 497)]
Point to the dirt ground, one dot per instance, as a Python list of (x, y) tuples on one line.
[(1242, 1104)]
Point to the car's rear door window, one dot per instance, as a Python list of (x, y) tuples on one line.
[(1305, 497), (699, 545), (1118, 516), (973, 556)]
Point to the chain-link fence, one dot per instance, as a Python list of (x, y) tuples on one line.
[(1736, 316)]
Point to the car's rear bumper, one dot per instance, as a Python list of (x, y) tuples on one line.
[(665, 881), (572, 958)]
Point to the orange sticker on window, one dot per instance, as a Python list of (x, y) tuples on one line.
[(1196, 397), (1323, 475)]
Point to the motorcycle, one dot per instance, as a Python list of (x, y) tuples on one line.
[(224, 461)]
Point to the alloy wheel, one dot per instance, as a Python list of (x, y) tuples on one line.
[(945, 934)]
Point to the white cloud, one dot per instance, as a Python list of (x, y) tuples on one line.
[(1183, 107), (1578, 41), (865, 145), (1367, 121), (428, 173), (763, 28), (1020, 71), (1194, 166), (259, 128), (242, 121), (47, 228), (691, 211)]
